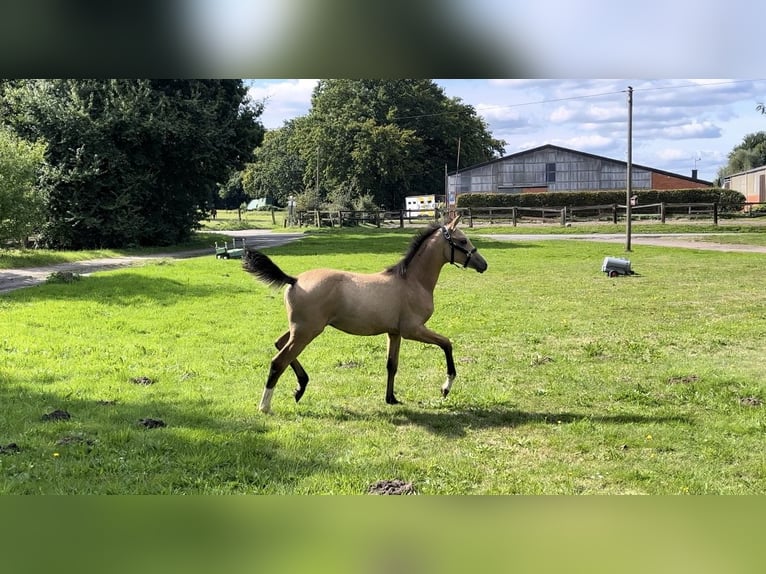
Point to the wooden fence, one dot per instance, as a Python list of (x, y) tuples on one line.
[(342, 218), (514, 215), (610, 212)]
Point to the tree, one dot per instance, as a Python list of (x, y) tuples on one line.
[(277, 168), (376, 139), (747, 155), (231, 195), (22, 202), (134, 162)]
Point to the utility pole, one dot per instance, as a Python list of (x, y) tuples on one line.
[(629, 189), (453, 205)]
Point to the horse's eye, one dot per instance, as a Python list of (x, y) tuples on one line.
[(463, 242)]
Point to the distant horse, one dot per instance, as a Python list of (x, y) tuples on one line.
[(397, 301)]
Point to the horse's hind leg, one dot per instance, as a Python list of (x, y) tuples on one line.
[(287, 354), (392, 364), (300, 372)]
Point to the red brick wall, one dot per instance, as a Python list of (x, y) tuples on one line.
[(661, 181)]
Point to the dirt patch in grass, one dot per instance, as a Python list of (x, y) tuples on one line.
[(391, 487), (57, 415), (687, 380), (10, 448), (146, 381), (152, 423), (750, 401)]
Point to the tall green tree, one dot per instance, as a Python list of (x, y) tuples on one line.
[(746, 155), (22, 202), (277, 168), (134, 162), (381, 140)]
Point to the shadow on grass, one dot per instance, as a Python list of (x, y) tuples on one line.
[(122, 288), (456, 421), (59, 443)]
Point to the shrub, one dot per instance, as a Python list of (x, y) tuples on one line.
[(728, 199)]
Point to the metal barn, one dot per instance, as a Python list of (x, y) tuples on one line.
[(554, 168), (750, 183)]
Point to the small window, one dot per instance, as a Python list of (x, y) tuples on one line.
[(550, 172)]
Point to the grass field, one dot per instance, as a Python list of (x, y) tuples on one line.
[(568, 382)]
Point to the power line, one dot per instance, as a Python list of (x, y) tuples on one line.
[(581, 97)]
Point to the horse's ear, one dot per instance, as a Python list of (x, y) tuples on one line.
[(452, 225)]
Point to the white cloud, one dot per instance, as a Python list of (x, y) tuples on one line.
[(283, 99), (693, 129), (562, 114), (586, 142)]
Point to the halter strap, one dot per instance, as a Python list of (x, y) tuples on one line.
[(453, 246)]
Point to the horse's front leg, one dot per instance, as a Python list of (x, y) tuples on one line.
[(392, 364), (425, 335)]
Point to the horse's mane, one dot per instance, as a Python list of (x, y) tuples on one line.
[(400, 268)]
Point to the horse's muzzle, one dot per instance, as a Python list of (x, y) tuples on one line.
[(478, 262)]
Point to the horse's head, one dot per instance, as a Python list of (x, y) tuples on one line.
[(459, 249)]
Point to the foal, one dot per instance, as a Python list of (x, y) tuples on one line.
[(397, 301)]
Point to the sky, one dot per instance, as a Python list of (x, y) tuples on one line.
[(678, 125)]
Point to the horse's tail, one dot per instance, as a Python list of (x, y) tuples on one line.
[(265, 269)]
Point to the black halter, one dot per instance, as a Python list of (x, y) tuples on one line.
[(453, 246)]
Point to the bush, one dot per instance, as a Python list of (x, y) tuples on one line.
[(728, 199), (22, 202)]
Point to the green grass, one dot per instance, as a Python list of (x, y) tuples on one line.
[(568, 382), (230, 220)]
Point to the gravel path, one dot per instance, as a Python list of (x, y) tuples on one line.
[(11, 279), (685, 240)]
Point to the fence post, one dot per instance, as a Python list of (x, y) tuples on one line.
[(470, 217), (614, 213), (401, 219), (564, 216), (662, 212), (715, 213), (513, 215), (317, 219)]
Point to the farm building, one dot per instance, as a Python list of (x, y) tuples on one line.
[(553, 168), (750, 183)]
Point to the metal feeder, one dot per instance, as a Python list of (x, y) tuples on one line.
[(232, 252), (614, 266)]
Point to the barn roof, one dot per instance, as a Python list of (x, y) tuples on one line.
[(585, 154)]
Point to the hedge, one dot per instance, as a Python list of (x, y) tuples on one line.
[(727, 199)]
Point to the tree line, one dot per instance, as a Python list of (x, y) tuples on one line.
[(114, 163), (368, 144)]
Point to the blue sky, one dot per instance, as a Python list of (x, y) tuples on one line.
[(677, 124)]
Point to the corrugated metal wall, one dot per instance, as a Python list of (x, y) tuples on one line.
[(751, 184), (572, 172)]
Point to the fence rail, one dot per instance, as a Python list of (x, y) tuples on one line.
[(612, 212)]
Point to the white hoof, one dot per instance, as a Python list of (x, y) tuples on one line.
[(447, 385), (265, 406)]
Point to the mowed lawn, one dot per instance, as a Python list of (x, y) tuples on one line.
[(569, 382)]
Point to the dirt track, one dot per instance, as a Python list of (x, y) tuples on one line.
[(11, 279), (684, 240)]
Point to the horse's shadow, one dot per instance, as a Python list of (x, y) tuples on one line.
[(455, 421)]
